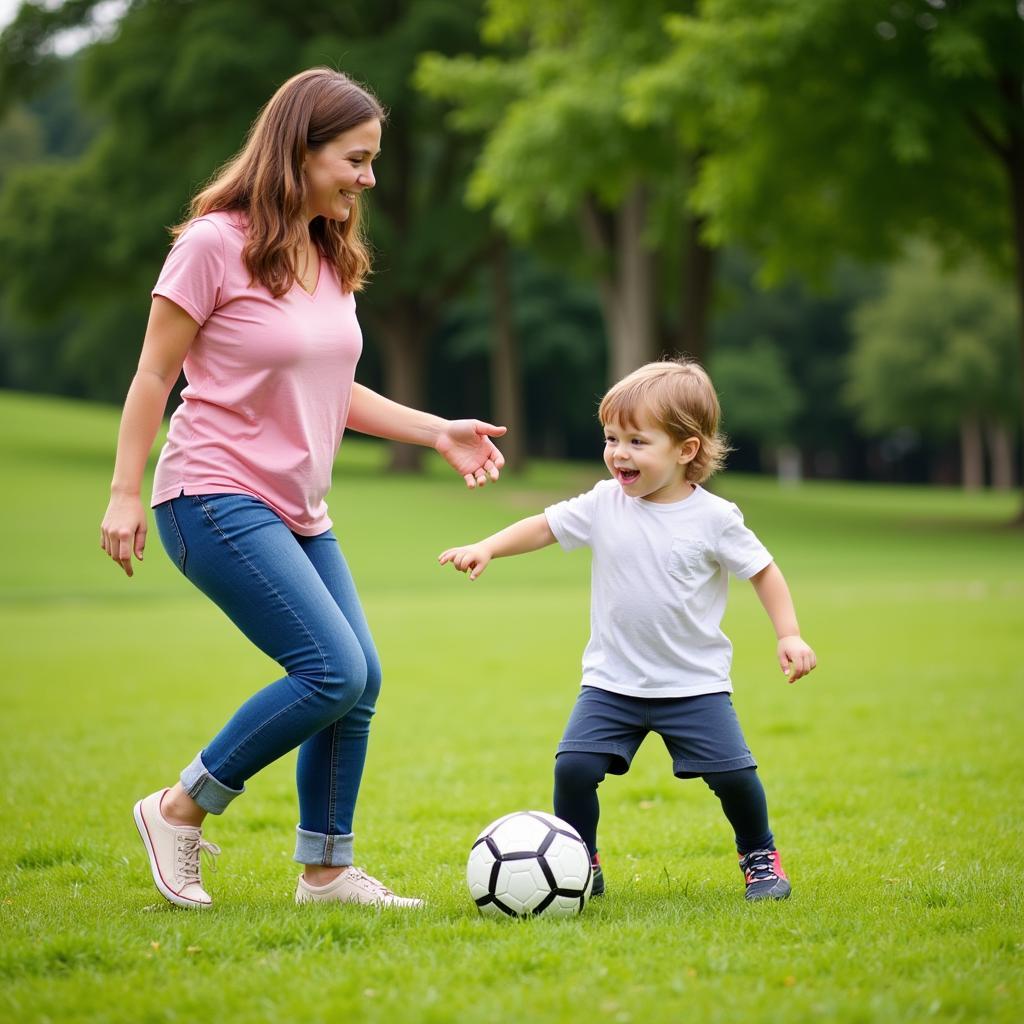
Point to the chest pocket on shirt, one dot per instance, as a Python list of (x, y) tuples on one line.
[(686, 560)]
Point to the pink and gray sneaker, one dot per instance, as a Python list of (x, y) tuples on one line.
[(173, 853), (762, 871)]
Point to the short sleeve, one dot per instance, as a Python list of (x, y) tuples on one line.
[(737, 546), (193, 273), (571, 521)]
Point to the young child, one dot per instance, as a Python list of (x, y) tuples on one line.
[(657, 659)]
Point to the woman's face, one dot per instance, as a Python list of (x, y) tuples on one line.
[(339, 170)]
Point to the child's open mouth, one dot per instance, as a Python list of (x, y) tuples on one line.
[(627, 476)]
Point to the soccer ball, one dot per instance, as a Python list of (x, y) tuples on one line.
[(529, 863)]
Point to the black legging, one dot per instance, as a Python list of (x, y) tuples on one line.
[(577, 776)]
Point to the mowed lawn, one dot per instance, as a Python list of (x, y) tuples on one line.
[(894, 773)]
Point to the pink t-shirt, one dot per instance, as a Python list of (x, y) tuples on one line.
[(269, 380)]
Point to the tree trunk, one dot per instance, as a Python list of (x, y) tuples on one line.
[(403, 333), (598, 236), (633, 344), (972, 454), (1012, 154), (1000, 450), (1017, 187), (506, 374), (788, 464), (626, 284), (697, 284)]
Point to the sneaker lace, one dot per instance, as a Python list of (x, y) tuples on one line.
[(759, 865), (369, 882), (190, 845)]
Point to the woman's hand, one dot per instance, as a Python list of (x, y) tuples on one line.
[(465, 444), (169, 336), (468, 449), (123, 532), (473, 558)]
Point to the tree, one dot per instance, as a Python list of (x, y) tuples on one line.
[(47, 129), (840, 127), (936, 352), (759, 401), (558, 149), (808, 329), (556, 323), (20, 140), (176, 88)]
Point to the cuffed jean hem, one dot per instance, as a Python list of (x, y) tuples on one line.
[(212, 795), (327, 851)]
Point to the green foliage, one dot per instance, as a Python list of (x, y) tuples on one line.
[(21, 140), (553, 109), (562, 358), (66, 128), (485, 86), (837, 127), (45, 212), (843, 128), (175, 90), (811, 128), (27, 60), (759, 399), (938, 344), (809, 330), (44, 131), (890, 771), (426, 239)]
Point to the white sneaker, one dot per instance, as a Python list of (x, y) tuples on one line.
[(353, 885), (173, 853)]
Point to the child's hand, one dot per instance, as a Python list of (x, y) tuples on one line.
[(795, 657), (472, 559)]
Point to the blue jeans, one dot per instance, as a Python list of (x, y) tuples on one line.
[(294, 598)]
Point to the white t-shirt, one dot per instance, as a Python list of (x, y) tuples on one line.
[(658, 587)]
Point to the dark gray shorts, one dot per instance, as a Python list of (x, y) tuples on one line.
[(702, 733)]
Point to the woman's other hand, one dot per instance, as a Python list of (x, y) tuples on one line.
[(467, 447), (123, 532)]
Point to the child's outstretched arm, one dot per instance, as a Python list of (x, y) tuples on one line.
[(526, 535), (795, 657)]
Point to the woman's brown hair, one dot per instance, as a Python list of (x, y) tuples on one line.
[(264, 180)]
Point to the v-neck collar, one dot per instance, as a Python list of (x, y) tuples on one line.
[(319, 277)]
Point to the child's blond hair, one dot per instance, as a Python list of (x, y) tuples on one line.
[(677, 394)]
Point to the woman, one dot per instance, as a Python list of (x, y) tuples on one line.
[(256, 303)]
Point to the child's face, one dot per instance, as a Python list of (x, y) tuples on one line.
[(647, 461)]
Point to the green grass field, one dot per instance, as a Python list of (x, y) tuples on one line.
[(894, 773)]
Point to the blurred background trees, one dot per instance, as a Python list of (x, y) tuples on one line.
[(824, 201), (936, 352)]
